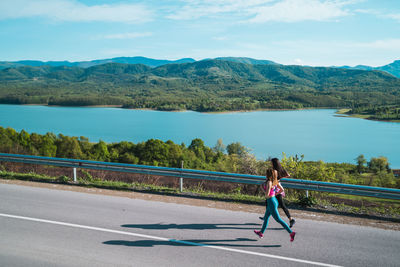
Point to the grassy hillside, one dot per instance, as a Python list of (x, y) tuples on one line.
[(208, 85)]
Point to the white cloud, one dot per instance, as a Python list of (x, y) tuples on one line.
[(128, 35), (367, 11), (394, 16), (220, 38), (387, 44), (260, 11), (380, 13), (71, 10), (205, 8), (298, 61), (300, 10)]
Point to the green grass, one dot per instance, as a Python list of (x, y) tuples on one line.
[(343, 111)]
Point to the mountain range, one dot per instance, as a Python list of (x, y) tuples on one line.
[(86, 64), (392, 68), (207, 85), (201, 73)]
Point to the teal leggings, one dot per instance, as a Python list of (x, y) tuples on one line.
[(272, 209)]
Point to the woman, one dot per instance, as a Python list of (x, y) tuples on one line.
[(272, 188), (282, 173)]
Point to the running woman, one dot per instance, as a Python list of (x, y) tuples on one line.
[(272, 188), (282, 173)]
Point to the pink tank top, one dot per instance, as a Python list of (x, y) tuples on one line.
[(272, 191)]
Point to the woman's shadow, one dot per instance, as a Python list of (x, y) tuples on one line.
[(191, 242), (197, 226)]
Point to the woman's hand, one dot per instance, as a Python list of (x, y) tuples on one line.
[(281, 190)]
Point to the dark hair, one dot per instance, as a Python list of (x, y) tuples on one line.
[(276, 165)]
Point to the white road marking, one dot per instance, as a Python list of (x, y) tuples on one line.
[(165, 239)]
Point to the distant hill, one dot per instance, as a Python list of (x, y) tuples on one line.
[(321, 78), (206, 85), (392, 68), (86, 64), (247, 60), (124, 60), (134, 60)]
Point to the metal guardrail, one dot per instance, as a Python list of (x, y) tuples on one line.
[(369, 191)]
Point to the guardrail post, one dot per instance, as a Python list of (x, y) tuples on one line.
[(74, 175), (181, 180)]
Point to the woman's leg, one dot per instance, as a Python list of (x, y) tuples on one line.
[(266, 207), (266, 219), (283, 206), (275, 214)]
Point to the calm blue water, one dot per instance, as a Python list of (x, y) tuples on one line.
[(317, 134)]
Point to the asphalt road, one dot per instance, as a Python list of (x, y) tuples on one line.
[(46, 227)]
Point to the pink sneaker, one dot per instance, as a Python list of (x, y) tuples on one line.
[(292, 234), (260, 235)]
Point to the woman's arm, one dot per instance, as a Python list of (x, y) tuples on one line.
[(264, 187), (269, 186), (280, 187), (286, 175)]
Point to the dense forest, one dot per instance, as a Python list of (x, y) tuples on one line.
[(231, 158), (208, 85)]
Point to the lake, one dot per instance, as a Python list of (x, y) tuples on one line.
[(317, 134)]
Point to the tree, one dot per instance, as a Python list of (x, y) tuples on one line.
[(154, 152), (86, 146), (378, 164), (198, 147), (175, 154), (68, 147), (361, 161), (100, 151), (219, 147), (48, 147), (24, 138), (6, 142), (248, 164), (237, 148), (12, 134)]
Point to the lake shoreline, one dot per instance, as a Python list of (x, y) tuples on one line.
[(341, 112), (180, 110)]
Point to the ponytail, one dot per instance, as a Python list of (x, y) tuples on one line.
[(276, 165)]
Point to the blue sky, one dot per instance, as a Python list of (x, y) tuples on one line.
[(303, 32)]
